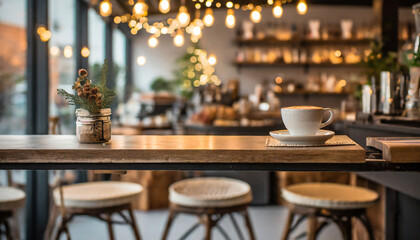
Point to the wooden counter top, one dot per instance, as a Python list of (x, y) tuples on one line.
[(397, 149), (167, 149)]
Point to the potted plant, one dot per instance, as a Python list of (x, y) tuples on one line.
[(93, 124)]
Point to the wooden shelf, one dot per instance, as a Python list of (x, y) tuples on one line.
[(306, 65), (307, 42)]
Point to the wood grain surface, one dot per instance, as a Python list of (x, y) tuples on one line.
[(397, 149), (167, 149)]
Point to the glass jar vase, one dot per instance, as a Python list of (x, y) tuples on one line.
[(93, 128)]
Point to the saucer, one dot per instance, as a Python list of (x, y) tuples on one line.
[(285, 137)]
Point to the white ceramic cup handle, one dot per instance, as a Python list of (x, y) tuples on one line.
[(330, 119)]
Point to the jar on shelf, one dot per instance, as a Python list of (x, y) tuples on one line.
[(93, 128)]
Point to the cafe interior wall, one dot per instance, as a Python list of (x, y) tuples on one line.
[(219, 40)]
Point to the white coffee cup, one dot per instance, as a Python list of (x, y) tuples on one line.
[(305, 120)]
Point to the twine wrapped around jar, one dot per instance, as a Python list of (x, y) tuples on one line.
[(93, 128)]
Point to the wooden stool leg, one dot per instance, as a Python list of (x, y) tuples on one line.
[(171, 218), (133, 224), (365, 221), (348, 229), (51, 223), (235, 224), (208, 226), (7, 230), (288, 226), (109, 223), (249, 225), (312, 227)]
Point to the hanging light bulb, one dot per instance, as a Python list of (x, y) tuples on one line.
[(183, 16), (153, 42), (212, 59), (230, 18), (141, 60), (208, 17), (302, 7), (255, 15), (85, 52), (140, 8), (277, 9), (105, 8), (68, 51), (179, 38), (164, 6)]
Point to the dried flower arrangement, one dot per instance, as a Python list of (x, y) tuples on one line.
[(90, 97)]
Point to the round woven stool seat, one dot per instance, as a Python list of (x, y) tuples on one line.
[(210, 192), (98, 194), (329, 195), (11, 198)]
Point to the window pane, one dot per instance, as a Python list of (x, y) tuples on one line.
[(13, 83), (118, 52), (96, 40), (62, 61)]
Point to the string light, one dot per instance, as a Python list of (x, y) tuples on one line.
[(153, 42), (230, 18), (68, 51), (208, 17), (255, 15), (229, 4), (164, 6), (212, 60), (277, 9), (105, 8), (183, 16), (54, 51), (141, 60), (140, 9), (85, 52), (44, 34), (179, 39), (302, 7)]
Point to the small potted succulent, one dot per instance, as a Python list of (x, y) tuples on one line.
[(93, 124)]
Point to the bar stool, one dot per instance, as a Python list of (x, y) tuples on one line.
[(96, 199), (10, 200), (210, 199), (336, 203)]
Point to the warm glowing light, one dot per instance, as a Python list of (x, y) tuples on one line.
[(337, 53), (179, 39), (197, 6), (140, 8), (208, 17), (208, 4), (68, 51), (342, 83), (153, 42), (279, 80), (230, 18), (117, 19), (133, 31), (255, 16), (164, 30), (301, 7), (141, 60), (196, 31), (85, 52), (164, 6), (270, 2), (183, 16), (105, 8), (212, 60), (277, 9), (54, 51), (45, 36), (229, 4), (218, 4)]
